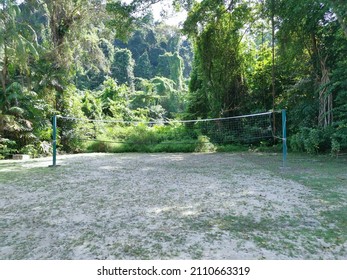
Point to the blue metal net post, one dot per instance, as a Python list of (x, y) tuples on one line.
[(54, 141), (284, 137)]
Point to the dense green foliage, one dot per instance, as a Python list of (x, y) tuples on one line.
[(261, 55), (88, 59)]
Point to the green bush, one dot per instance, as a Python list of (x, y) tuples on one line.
[(204, 145), (142, 134), (7, 148), (312, 140), (339, 140), (42, 148), (99, 147), (143, 138), (30, 150)]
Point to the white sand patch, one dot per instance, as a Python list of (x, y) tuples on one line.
[(156, 206)]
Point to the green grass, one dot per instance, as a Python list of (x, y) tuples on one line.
[(232, 148), (184, 146), (326, 177)]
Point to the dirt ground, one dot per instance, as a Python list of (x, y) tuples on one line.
[(158, 206)]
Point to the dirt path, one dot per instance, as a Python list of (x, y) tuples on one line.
[(156, 206)]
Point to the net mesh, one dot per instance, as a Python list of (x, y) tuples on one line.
[(247, 129)]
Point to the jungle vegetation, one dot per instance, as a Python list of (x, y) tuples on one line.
[(112, 60)]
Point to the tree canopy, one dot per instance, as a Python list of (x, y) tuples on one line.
[(96, 59)]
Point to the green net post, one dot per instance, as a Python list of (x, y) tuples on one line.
[(284, 137), (54, 141)]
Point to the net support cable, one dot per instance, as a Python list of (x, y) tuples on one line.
[(165, 121)]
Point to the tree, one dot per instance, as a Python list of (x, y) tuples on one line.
[(94, 61), (137, 43), (123, 67), (301, 34), (18, 43), (143, 67), (339, 7), (126, 16), (18, 47), (215, 27), (171, 66)]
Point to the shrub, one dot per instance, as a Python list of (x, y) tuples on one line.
[(7, 148), (339, 140), (204, 145), (41, 148), (312, 140), (99, 147), (142, 135), (30, 150)]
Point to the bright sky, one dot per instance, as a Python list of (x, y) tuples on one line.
[(173, 18)]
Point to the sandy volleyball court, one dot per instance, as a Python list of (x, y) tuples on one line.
[(157, 206)]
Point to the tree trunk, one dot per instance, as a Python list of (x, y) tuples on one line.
[(273, 74), (325, 117), (325, 99), (4, 77)]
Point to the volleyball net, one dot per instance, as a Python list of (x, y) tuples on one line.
[(74, 134)]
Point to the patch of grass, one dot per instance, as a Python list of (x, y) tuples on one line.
[(179, 240), (184, 146), (336, 234), (187, 146), (323, 174), (196, 251), (32, 176), (326, 177), (281, 235), (162, 236), (213, 236), (105, 147), (136, 251), (244, 224), (199, 225), (232, 148)]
